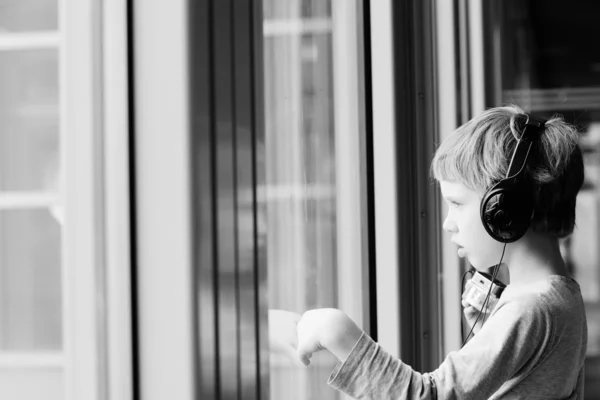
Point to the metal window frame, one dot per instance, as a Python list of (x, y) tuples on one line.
[(97, 237), (83, 238), (447, 120), (406, 201), (163, 288), (226, 103), (117, 169)]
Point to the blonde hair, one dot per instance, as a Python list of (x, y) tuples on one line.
[(478, 153)]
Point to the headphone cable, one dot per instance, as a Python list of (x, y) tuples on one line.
[(487, 298)]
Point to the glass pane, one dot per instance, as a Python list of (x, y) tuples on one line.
[(28, 15), (16, 383), (29, 120), (313, 171), (292, 10), (548, 70), (30, 279)]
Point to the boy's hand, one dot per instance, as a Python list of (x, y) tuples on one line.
[(329, 329), (471, 313), (283, 338)]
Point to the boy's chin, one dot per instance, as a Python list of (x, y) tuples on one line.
[(478, 265)]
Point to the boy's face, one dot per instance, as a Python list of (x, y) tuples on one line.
[(464, 223)]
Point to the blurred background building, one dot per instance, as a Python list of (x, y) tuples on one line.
[(169, 171)]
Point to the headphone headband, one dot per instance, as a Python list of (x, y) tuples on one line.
[(531, 129)]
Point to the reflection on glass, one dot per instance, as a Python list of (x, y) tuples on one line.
[(548, 70), (302, 161), (29, 141), (28, 15), (30, 279)]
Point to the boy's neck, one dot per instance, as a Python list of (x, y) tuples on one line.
[(535, 257)]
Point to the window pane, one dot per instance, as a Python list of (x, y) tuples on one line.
[(28, 15), (548, 70), (16, 383), (29, 120), (313, 172), (30, 279)]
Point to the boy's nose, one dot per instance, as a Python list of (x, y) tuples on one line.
[(449, 225)]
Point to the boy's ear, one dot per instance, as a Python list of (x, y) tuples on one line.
[(506, 211)]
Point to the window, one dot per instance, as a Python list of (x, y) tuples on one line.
[(63, 208), (545, 71), (31, 301), (315, 172), (514, 52)]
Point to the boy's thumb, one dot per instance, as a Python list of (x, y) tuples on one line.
[(304, 354), (292, 354)]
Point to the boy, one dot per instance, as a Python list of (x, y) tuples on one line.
[(533, 343)]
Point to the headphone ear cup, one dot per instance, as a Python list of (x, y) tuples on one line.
[(492, 213), (505, 212)]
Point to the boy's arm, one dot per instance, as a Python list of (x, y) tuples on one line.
[(371, 373), (365, 371), (509, 341)]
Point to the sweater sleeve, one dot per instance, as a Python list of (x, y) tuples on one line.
[(511, 341), (370, 372)]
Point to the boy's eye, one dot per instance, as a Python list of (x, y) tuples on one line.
[(454, 203)]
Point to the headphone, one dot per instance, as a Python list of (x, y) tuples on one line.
[(507, 206)]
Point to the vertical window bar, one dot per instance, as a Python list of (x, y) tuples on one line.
[(203, 203), (260, 257), (245, 199), (225, 196)]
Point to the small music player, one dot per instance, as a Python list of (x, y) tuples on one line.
[(477, 289)]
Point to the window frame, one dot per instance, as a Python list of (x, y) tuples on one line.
[(97, 237), (165, 312), (408, 224)]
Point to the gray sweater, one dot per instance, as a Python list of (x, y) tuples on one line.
[(532, 346)]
